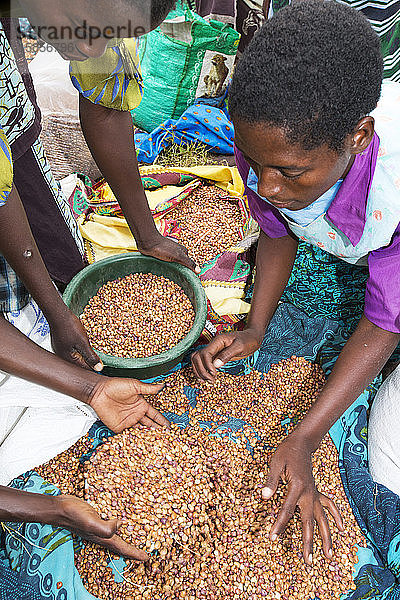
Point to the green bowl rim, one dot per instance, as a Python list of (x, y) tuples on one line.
[(117, 362)]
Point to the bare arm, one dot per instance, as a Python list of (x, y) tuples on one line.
[(21, 357), (109, 135), (19, 248), (67, 512), (274, 262), (118, 402), (360, 361)]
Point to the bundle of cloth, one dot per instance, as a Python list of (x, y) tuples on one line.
[(206, 122)]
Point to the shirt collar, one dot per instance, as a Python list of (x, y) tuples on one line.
[(348, 209)]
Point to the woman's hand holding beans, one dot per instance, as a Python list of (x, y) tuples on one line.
[(291, 463), (170, 251), (119, 403), (224, 348), (70, 341), (80, 518)]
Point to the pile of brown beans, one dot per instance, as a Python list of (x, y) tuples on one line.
[(136, 316), (65, 471), (210, 221), (193, 499)]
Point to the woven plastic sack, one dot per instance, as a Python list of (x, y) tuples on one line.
[(183, 59), (62, 136)]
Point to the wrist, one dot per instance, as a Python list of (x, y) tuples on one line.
[(80, 383), (53, 513), (256, 331), (56, 512), (60, 515), (304, 439), (94, 391), (145, 243), (57, 314), (91, 387)]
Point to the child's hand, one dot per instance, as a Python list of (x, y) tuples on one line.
[(292, 463), (223, 348)]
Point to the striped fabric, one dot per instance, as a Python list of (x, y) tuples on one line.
[(13, 294), (384, 16)]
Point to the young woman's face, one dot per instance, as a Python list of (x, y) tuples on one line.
[(289, 176)]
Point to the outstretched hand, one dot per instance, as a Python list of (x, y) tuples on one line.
[(292, 463), (170, 251), (119, 403), (80, 518)]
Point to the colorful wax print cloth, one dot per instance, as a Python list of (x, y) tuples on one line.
[(77, 187), (105, 231), (384, 18), (37, 561), (225, 277), (20, 115), (112, 80), (321, 307), (103, 202), (377, 511), (200, 123), (19, 121)]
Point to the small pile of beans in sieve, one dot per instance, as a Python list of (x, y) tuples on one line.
[(136, 316)]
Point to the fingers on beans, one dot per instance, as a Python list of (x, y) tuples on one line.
[(193, 501)]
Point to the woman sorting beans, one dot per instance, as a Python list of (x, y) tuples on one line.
[(320, 166), (49, 400)]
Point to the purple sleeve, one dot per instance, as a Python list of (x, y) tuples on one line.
[(268, 217), (382, 296)]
